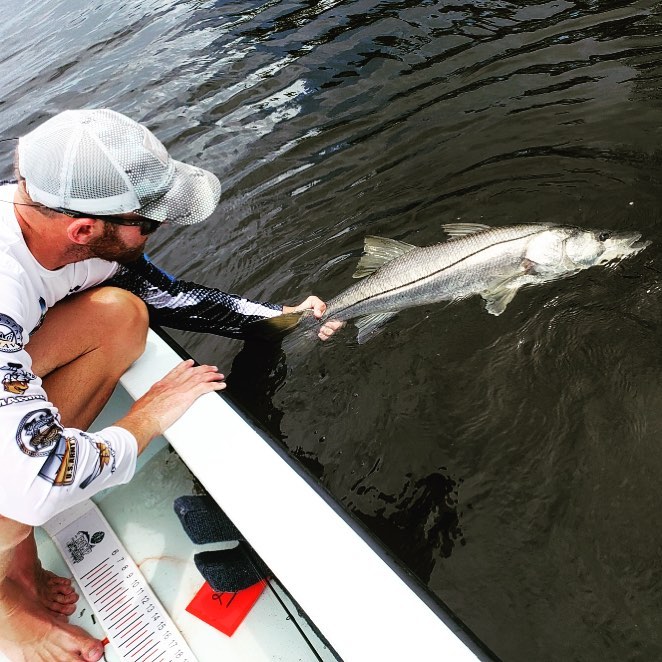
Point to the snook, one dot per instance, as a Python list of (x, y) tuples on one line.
[(491, 262)]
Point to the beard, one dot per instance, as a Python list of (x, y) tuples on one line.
[(111, 247)]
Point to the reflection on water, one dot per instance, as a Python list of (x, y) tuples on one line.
[(512, 463), (420, 524)]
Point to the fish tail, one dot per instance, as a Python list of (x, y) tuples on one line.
[(297, 332), (274, 328)]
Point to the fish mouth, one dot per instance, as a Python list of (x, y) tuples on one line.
[(631, 242), (623, 244)]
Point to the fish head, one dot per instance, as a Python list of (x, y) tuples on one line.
[(587, 248), (546, 248)]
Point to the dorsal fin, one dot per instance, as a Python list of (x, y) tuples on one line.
[(462, 229), (377, 252)]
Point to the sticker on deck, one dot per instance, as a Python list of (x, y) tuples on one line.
[(225, 611)]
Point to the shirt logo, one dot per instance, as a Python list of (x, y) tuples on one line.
[(105, 457), (13, 399), (38, 433), (17, 379), (11, 334), (60, 467)]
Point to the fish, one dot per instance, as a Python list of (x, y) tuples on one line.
[(476, 260)]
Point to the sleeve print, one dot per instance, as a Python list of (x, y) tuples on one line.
[(59, 467), (46, 467), (11, 334), (16, 380), (187, 306)]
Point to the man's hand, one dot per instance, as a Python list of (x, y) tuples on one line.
[(168, 399), (319, 308)]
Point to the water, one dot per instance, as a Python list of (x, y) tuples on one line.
[(512, 463)]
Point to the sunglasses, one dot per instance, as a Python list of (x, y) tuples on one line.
[(146, 225)]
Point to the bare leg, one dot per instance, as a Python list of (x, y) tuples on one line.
[(83, 347)]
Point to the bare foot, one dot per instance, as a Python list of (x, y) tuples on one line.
[(57, 593), (30, 633), (53, 592)]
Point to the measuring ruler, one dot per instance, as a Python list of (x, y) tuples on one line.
[(137, 625)]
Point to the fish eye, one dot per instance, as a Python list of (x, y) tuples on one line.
[(603, 236)]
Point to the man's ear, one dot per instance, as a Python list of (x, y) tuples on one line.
[(82, 230)]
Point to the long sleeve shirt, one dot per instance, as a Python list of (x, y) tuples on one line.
[(45, 466)]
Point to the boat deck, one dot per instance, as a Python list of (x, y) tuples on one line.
[(141, 514), (362, 602)]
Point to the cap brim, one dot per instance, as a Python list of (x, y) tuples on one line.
[(192, 197)]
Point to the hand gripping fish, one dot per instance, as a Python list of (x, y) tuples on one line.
[(477, 260)]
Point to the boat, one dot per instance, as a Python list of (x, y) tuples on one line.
[(335, 593)]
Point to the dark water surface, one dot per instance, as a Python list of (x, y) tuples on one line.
[(512, 463)]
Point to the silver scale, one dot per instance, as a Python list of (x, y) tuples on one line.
[(136, 624)]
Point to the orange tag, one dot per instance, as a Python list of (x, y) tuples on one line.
[(225, 611)]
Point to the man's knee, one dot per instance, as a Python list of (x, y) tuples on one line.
[(125, 316)]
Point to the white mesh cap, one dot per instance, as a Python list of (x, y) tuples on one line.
[(101, 162)]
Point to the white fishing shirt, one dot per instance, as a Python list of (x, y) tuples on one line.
[(45, 467)]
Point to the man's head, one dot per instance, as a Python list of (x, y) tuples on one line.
[(103, 163), (92, 165)]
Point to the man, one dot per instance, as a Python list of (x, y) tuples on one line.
[(76, 296)]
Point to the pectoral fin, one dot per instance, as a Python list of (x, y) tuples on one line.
[(496, 301), (377, 252), (370, 325), (504, 289)]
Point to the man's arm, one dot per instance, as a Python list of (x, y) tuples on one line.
[(180, 304), (168, 399)]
